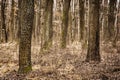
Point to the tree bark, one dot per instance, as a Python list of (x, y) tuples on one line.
[(82, 18), (3, 31), (11, 28), (66, 6), (111, 19), (105, 20), (26, 24), (48, 27), (116, 37), (93, 53)]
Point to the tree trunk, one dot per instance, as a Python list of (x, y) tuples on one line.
[(3, 31), (116, 37), (50, 19), (94, 32), (105, 20), (82, 18), (26, 24), (66, 6), (38, 20), (19, 22), (11, 28), (111, 19), (48, 27)]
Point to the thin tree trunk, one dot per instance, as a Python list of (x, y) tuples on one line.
[(116, 26), (93, 53), (11, 36), (38, 21), (66, 6), (3, 32), (105, 21), (48, 27), (82, 19), (19, 22), (111, 19)]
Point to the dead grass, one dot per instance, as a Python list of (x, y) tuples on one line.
[(59, 64)]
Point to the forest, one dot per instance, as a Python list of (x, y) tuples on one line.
[(59, 39)]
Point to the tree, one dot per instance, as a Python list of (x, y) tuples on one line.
[(37, 25), (3, 29), (73, 20), (93, 53), (26, 17), (111, 19), (66, 6), (48, 27), (82, 18), (17, 36), (116, 37), (105, 20), (12, 21)]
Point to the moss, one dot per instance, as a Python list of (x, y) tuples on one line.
[(28, 69), (25, 70)]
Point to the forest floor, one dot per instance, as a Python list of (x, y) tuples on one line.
[(61, 64)]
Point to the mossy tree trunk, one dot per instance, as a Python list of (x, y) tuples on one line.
[(26, 24), (65, 18), (111, 19), (93, 53), (3, 31)]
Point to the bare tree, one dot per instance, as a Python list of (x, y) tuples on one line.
[(111, 19), (26, 24), (82, 18), (48, 27), (11, 28), (93, 53), (66, 6), (3, 24)]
